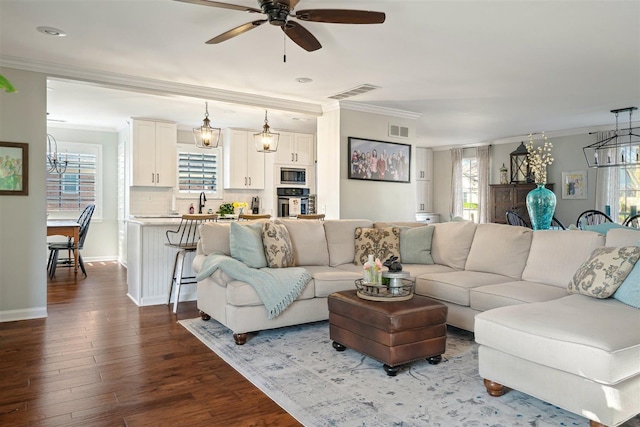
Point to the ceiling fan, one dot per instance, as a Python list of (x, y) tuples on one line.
[(278, 13)]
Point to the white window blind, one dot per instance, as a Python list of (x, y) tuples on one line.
[(197, 171), (76, 188)]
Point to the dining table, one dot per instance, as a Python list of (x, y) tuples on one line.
[(67, 228)]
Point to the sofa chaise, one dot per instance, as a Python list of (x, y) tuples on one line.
[(507, 284)]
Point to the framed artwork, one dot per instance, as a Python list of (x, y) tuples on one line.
[(14, 169), (372, 160), (574, 185)]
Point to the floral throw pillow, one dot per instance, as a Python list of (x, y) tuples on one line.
[(380, 242), (277, 245), (602, 274)]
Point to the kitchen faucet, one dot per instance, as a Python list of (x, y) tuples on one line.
[(203, 200)]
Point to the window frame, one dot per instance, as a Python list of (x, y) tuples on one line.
[(191, 194), (468, 189)]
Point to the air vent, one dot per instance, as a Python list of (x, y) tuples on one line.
[(399, 131), (355, 91)]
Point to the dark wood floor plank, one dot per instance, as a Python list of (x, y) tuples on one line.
[(99, 360)]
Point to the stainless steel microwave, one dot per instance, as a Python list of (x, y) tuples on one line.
[(294, 176)]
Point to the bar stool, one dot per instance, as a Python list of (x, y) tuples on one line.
[(185, 240)]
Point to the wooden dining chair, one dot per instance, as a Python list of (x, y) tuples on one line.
[(185, 240), (592, 217), (311, 216), (248, 217), (54, 248), (632, 221), (514, 218)]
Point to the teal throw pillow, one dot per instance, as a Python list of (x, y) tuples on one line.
[(415, 244), (602, 228), (245, 244), (629, 291)]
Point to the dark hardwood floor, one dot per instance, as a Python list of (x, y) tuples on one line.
[(99, 360)]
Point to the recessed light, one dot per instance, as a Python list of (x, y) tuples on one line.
[(50, 31), (304, 80)]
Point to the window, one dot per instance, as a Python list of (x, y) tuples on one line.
[(629, 192), (198, 170), (470, 188), (79, 185)]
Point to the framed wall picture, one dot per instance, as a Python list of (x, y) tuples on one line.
[(372, 160), (14, 169), (574, 185)]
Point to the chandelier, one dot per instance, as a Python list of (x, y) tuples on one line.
[(266, 141), (620, 149), (206, 136), (55, 164)]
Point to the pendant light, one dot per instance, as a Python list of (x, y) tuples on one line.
[(619, 149), (266, 141), (55, 164), (206, 136)]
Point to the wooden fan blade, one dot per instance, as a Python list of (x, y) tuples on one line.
[(301, 36), (236, 31), (341, 16), (222, 5)]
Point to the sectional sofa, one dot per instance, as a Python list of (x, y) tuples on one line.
[(508, 284)]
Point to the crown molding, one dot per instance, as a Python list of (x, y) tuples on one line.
[(158, 87), (373, 109)]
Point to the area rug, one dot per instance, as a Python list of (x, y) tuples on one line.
[(298, 368)]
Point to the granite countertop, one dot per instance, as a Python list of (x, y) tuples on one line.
[(155, 219)]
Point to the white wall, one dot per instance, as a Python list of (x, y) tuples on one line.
[(23, 282), (328, 154), (102, 241)]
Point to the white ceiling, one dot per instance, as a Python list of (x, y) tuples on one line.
[(475, 70)]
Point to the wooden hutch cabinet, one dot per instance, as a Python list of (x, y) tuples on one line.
[(505, 197)]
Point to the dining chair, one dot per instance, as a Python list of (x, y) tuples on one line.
[(592, 217), (185, 240), (54, 248), (632, 221), (514, 218), (311, 216), (556, 223), (247, 217)]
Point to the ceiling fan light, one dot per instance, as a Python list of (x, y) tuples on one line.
[(206, 136), (266, 141)]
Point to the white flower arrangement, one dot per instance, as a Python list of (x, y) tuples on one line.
[(539, 158)]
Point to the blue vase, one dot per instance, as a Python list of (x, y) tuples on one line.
[(541, 204)]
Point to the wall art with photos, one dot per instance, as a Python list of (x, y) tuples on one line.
[(14, 169), (574, 185), (372, 160)]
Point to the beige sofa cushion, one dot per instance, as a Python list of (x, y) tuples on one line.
[(623, 237), (500, 249), (454, 287), (214, 237), (308, 240), (451, 243), (493, 296), (555, 255), (340, 238), (593, 336)]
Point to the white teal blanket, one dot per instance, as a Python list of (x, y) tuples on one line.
[(276, 287)]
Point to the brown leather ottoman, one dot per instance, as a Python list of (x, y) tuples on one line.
[(391, 332)]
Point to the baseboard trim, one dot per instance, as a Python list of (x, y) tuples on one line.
[(23, 314)]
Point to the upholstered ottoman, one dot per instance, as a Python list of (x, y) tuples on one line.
[(394, 333)]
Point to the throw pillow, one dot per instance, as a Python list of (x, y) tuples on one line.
[(380, 242), (629, 291), (602, 274), (277, 245), (245, 244), (415, 244)]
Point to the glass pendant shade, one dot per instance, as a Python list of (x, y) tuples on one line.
[(266, 141), (206, 136)]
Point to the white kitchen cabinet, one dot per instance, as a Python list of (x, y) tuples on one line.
[(243, 164), (424, 164), (295, 149), (153, 153), (424, 196)]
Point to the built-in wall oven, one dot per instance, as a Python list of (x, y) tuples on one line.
[(292, 201), (293, 176)]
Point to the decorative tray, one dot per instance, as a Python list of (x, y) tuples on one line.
[(375, 292)]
